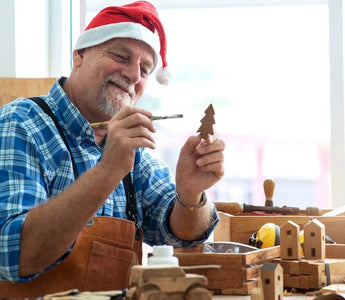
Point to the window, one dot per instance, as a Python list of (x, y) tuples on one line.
[(265, 69), (263, 64)]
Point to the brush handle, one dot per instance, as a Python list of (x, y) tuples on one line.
[(153, 118), (269, 187)]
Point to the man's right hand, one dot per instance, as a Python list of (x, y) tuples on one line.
[(129, 129)]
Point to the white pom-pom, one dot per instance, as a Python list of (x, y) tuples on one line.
[(163, 76)]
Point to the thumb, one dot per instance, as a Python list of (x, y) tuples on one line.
[(190, 145)]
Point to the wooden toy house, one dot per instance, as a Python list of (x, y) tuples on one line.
[(289, 241), (272, 281), (314, 240)]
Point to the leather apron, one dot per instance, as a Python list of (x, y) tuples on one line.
[(101, 260)]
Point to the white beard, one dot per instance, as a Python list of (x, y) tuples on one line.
[(109, 100)]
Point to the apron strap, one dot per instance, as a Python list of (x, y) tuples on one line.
[(131, 207)]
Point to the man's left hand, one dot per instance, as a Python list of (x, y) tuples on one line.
[(200, 164)]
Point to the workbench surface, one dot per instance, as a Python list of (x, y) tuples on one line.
[(238, 297)]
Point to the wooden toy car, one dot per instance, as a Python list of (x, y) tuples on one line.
[(166, 282)]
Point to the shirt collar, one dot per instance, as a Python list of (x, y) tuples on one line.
[(68, 115)]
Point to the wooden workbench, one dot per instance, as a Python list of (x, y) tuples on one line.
[(237, 297)]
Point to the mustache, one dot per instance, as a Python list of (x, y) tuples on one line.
[(121, 83)]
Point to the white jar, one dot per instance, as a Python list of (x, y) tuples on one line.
[(163, 255)]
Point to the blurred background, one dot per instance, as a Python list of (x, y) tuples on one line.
[(271, 69)]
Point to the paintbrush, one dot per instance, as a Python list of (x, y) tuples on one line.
[(153, 118)]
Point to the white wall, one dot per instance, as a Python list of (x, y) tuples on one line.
[(7, 41), (35, 38), (31, 38)]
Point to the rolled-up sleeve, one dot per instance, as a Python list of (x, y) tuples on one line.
[(23, 178), (155, 188), (10, 247)]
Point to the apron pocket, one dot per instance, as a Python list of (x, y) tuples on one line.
[(109, 267)]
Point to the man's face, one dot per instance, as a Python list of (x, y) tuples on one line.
[(116, 73)]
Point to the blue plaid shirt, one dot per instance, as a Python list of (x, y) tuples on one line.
[(35, 165)]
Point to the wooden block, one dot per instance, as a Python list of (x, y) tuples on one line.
[(218, 279), (289, 241), (314, 274), (294, 267), (261, 255), (258, 293), (244, 290), (283, 264), (238, 272), (336, 266), (289, 266), (304, 282), (318, 282), (252, 272), (335, 212), (222, 231), (272, 281), (314, 240), (334, 289), (335, 251), (304, 267), (248, 286), (291, 280)]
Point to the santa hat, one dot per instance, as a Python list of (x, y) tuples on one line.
[(138, 20)]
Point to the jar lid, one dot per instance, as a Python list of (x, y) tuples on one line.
[(163, 251)]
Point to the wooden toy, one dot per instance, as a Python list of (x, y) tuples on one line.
[(238, 273), (314, 240), (166, 282), (289, 241), (206, 123), (314, 271), (272, 281)]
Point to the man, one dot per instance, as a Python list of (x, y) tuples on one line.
[(52, 188)]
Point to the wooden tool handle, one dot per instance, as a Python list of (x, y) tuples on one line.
[(232, 208), (269, 187)]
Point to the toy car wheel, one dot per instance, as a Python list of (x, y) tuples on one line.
[(152, 292), (197, 293)]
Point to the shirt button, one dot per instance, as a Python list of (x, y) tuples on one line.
[(88, 132), (78, 138)]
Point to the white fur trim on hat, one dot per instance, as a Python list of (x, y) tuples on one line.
[(101, 34)]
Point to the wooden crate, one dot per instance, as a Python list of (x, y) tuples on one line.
[(238, 273), (303, 274), (240, 228)]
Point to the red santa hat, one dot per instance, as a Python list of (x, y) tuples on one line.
[(138, 20)]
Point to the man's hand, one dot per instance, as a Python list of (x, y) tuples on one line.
[(131, 128), (200, 165)]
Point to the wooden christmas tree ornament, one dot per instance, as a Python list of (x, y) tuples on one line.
[(207, 122)]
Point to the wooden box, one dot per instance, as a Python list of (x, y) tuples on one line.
[(227, 273), (301, 274), (240, 228)]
